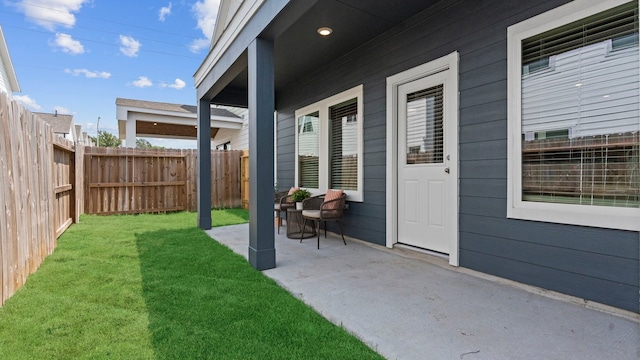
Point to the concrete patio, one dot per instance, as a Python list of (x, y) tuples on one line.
[(408, 305)]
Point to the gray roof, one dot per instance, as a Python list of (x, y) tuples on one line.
[(61, 123), (188, 109)]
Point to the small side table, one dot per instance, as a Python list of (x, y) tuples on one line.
[(294, 225)]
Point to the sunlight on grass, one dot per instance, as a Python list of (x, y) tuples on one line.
[(157, 287)]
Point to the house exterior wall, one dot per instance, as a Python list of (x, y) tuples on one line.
[(8, 81), (5, 86), (239, 139), (592, 263)]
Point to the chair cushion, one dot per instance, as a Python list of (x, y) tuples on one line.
[(312, 214), (332, 195), (292, 190)]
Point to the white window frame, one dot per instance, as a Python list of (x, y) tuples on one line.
[(322, 107), (584, 215)]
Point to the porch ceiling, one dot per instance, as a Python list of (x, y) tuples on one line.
[(299, 51), (156, 129)]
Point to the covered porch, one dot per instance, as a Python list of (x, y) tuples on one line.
[(411, 306), (259, 49)]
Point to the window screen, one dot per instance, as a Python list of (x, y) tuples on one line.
[(343, 145), (580, 112)]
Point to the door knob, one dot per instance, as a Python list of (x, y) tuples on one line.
[(446, 170)]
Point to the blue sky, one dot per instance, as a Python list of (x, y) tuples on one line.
[(78, 56)]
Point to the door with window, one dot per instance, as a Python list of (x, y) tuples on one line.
[(427, 174)]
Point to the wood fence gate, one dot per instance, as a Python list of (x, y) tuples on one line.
[(128, 180)]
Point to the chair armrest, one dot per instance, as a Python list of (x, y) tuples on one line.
[(278, 196), (313, 203), (286, 200)]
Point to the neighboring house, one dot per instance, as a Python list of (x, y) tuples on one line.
[(233, 139), (502, 135), (8, 80), (139, 118), (559, 79), (62, 124)]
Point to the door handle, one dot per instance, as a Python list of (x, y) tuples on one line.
[(446, 170)]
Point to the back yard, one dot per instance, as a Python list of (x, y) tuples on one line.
[(157, 287)]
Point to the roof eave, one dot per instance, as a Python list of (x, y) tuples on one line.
[(6, 60), (223, 38)]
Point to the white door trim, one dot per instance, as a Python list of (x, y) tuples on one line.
[(446, 63)]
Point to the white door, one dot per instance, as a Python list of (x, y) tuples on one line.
[(427, 181)]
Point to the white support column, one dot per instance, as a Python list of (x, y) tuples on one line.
[(131, 131)]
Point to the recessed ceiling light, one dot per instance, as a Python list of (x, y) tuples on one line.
[(325, 31)]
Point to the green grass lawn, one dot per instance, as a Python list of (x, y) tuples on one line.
[(157, 287)]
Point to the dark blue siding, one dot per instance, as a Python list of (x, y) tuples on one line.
[(595, 264)]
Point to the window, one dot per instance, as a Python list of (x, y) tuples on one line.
[(343, 145), (308, 150), (329, 144), (577, 123), (308, 123), (225, 146), (424, 126)]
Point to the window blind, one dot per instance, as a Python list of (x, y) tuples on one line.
[(581, 112), (343, 145), (308, 150), (425, 133), (614, 23)]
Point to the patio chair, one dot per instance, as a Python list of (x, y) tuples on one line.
[(282, 202), (323, 208), (276, 206)]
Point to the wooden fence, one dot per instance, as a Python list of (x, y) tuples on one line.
[(245, 179), (38, 195), (42, 177), (128, 180)]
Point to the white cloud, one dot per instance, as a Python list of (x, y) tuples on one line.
[(164, 12), (51, 13), (178, 84), (61, 110), (27, 101), (68, 44), (142, 82), (199, 44), (88, 73), (205, 12), (130, 46)]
